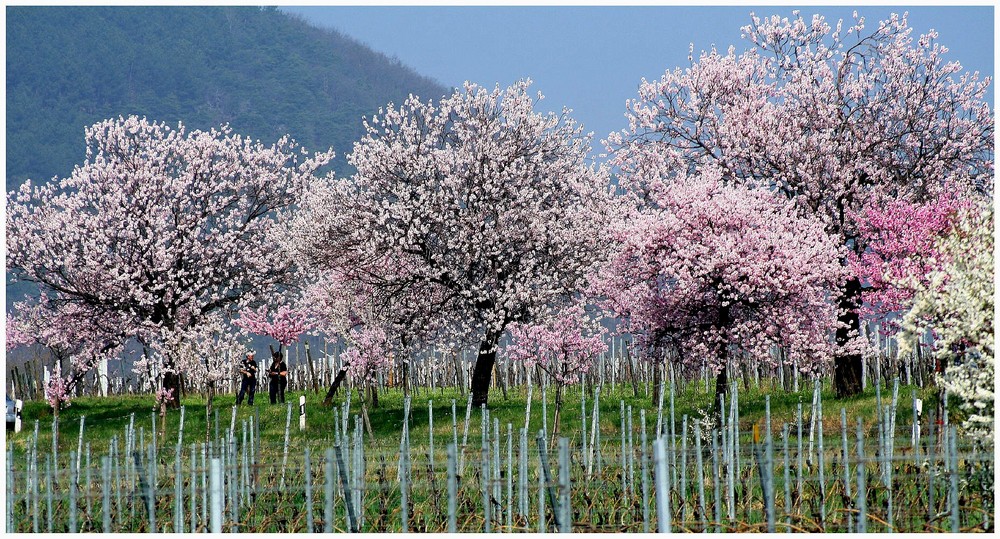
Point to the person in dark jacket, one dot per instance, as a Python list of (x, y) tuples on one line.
[(248, 375), (278, 373)]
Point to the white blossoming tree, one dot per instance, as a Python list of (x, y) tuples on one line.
[(157, 230), (957, 302), (464, 216)]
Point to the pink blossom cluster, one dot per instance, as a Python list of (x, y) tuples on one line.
[(900, 254), (58, 390), (164, 396), (286, 326), (715, 266), (824, 115), (369, 352), (564, 346)]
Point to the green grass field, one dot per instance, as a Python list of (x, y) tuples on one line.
[(109, 416)]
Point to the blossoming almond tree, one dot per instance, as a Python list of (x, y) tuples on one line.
[(464, 216), (564, 346), (820, 114), (159, 227), (715, 268), (286, 326)]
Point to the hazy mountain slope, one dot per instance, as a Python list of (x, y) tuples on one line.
[(264, 72)]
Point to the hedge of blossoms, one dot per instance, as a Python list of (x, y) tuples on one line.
[(715, 266), (822, 115), (467, 215), (158, 229), (956, 301)]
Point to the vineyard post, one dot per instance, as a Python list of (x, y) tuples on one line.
[(180, 428), (105, 494), (700, 467), (510, 478), (117, 474), (624, 464), (645, 471), (495, 472), (430, 432), (862, 503), (10, 491), (594, 422), (542, 528), (887, 460), (465, 436), (798, 454), (34, 486), (452, 488), (454, 425), (284, 458), (307, 467), (79, 451), (953, 475), (684, 464), (672, 448), (545, 413), (847, 466), (205, 487), (193, 493), (522, 473), (351, 520), (328, 489), (631, 456), (216, 498), (583, 421), (788, 479), (566, 513), (821, 457), (527, 408), (178, 492), (546, 476), (485, 475), (716, 469), (662, 485), (74, 472), (89, 480)]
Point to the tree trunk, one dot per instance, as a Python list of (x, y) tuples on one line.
[(721, 388), (208, 411), (847, 367), (483, 370), (172, 380)]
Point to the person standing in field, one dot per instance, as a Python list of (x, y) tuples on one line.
[(248, 385), (278, 373)]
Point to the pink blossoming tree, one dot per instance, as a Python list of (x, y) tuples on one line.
[(159, 227), (822, 115), (286, 325), (464, 216), (900, 237), (715, 268), (564, 346)]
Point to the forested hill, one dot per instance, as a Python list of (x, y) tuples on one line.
[(264, 72)]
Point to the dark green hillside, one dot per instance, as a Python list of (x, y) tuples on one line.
[(264, 72)]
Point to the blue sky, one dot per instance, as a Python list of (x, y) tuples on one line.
[(591, 59)]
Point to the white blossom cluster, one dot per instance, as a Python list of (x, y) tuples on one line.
[(464, 216), (958, 304), (158, 231)]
